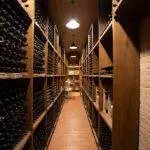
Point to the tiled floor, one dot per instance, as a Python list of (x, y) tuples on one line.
[(73, 131)]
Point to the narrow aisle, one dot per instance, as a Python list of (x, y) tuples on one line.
[(73, 131)]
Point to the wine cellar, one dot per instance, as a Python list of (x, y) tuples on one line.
[(74, 75)]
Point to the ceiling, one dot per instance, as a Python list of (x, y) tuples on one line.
[(84, 11)]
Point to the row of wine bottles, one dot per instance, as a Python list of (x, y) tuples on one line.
[(13, 41), (38, 104), (90, 87), (41, 14), (39, 44), (13, 38), (50, 97), (45, 128), (13, 110), (91, 65), (51, 31), (39, 137), (50, 61), (56, 87), (104, 136)]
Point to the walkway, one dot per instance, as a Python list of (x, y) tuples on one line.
[(73, 131)]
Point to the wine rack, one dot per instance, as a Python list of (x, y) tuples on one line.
[(32, 81), (50, 122), (39, 136), (39, 44), (105, 136), (115, 46), (41, 14), (90, 39), (13, 119), (51, 30), (38, 97), (13, 42), (50, 97), (50, 61)]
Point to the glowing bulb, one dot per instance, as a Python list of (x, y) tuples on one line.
[(73, 56), (72, 24), (73, 46)]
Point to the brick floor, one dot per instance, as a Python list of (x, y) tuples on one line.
[(73, 131)]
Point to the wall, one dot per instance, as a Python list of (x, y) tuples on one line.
[(144, 130)]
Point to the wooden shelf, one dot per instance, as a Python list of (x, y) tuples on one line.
[(109, 76), (23, 141), (55, 99), (94, 76), (48, 141), (93, 131), (39, 120), (49, 75), (55, 75), (37, 26), (107, 119), (14, 75), (56, 51), (108, 28), (93, 102), (96, 105), (39, 75), (22, 7)]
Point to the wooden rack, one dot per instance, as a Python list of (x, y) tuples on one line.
[(52, 78), (116, 46)]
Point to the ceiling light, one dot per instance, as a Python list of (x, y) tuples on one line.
[(72, 24), (73, 56), (73, 46)]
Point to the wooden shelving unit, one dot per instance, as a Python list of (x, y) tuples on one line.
[(116, 45), (46, 84)]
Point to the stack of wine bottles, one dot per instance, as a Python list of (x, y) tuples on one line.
[(38, 97), (55, 88), (39, 43), (105, 136), (56, 60), (38, 104), (90, 65), (93, 93), (51, 31), (84, 69), (50, 61), (50, 90), (50, 122), (90, 40), (13, 41), (95, 120), (13, 109), (41, 14), (39, 136)]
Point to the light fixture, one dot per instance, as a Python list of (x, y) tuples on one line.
[(73, 56), (72, 24), (73, 46)]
